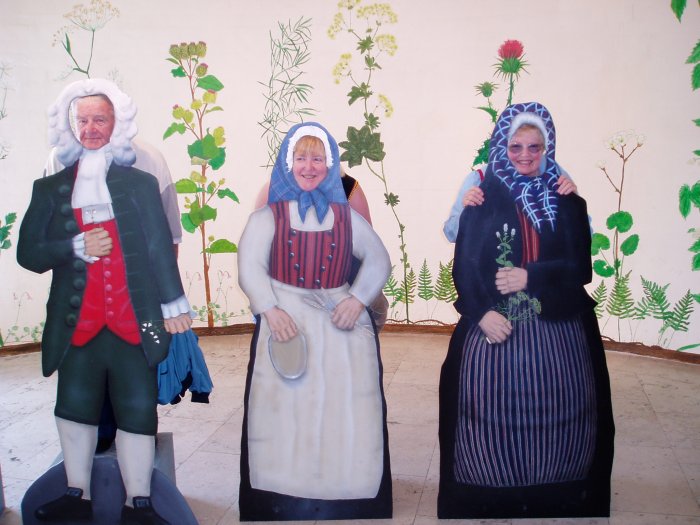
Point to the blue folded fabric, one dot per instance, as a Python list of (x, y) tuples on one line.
[(184, 369)]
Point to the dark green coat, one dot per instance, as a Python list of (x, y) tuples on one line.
[(45, 243)]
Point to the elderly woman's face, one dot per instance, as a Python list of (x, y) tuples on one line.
[(309, 167), (525, 151)]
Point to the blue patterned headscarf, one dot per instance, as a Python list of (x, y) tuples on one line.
[(283, 186), (536, 197)]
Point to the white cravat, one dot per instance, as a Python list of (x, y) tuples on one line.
[(91, 183)]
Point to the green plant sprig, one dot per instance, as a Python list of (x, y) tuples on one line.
[(207, 151)]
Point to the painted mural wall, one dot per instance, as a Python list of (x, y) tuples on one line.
[(411, 91)]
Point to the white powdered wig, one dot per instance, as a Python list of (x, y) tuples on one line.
[(528, 118), (61, 135), (304, 131)]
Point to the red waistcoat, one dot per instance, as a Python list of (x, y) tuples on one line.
[(313, 260), (106, 301)]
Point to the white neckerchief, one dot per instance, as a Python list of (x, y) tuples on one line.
[(91, 183)]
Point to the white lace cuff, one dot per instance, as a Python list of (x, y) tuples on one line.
[(177, 307)]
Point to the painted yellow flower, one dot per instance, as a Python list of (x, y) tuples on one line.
[(386, 43)]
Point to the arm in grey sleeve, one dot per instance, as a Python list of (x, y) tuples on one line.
[(254, 260), (376, 265), (451, 225), (169, 199)]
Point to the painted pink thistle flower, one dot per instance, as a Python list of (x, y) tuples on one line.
[(511, 58)]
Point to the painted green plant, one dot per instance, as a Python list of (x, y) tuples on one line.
[(688, 196), (519, 306), (89, 18), (617, 299), (509, 66), (22, 334), (207, 154), (609, 254), (219, 306), (285, 94), (5, 244), (364, 24), (430, 289)]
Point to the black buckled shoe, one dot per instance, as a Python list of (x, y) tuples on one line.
[(143, 513), (71, 506)]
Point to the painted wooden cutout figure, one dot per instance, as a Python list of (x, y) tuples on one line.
[(314, 443), (526, 426), (115, 296)]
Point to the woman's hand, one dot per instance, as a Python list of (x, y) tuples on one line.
[(346, 313), (566, 186), (511, 279), (473, 197), (281, 324), (495, 327)]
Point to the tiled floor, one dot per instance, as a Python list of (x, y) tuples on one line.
[(656, 475)]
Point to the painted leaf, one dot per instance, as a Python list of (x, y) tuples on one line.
[(362, 143), (178, 72), (684, 203), (365, 44), (210, 82), (492, 112), (391, 199), (696, 297), (222, 246), (603, 269), (695, 77), (225, 192), (695, 194), (696, 262), (187, 224), (199, 215), (207, 150), (697, 121), (629, 246), (695, 247), (599, 242), (358, 92), (678, 6), (694, 54), (372, 120), (621, 220), (688, 347), (185, 186), (10, 218), (175, 127)]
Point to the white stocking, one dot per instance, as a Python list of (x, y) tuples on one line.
[(136, 454), (78, 442)]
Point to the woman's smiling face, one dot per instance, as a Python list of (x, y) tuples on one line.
[(525, 150), (309, 167)]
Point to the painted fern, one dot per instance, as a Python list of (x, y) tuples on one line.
[(600, 296), (425, 283), (444, 285), (654, 303), (620, 303)]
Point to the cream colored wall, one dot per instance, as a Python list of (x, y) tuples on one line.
[(599, 66)]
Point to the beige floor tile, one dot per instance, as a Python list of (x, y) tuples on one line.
[(650, 480)]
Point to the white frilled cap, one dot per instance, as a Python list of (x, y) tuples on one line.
[(304, 131), (533, 119), (61, 135)]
